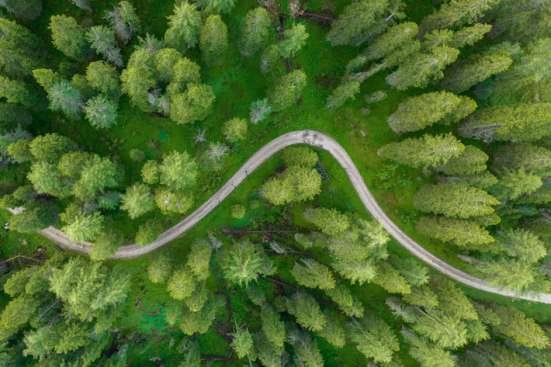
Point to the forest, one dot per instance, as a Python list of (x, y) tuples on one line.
[(121, 121)]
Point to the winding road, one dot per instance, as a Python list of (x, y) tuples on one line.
[(322, 141)]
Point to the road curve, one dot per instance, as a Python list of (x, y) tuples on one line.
[(322, 141)]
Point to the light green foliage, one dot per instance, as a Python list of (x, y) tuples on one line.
[(46, 78), (329, 221), (34, 218), (138, 78), (97, 175), (65, 98), (213, 40), (300, 156), (165, 60), (518, 123), (513, 184), (69, 37), (307, 352), (85, 227), (124, 21), (217, 6), (148, 232), (46, 179), (468, 36), (183, 26), (181, 284), (391, 280), (470, 162), (235, 129), (374, 339), (103, 78), (242, 343), (463, 75), (176, 202), (457, 13), (355, 20), (311, 274), (507, 273), (522, 244), (346, 302), (333, 332), (422, 68), (255, 31), (494, 354), (137, 200), (307, 311), (101, 112), (159, 269), (418, 112), (294, 39), (106, 244), (244, 262), (178, 171), (426, 353), (345, 91), (199, 322), (15, 315), (532, 158), (268, 355), (150, 172), (463, 233), (198, 260), (296, 184), (272, 326), (16, 92), (102, 40), (454, 200), (287, 90), (88, 289), (22, 49), (520, 328), (23, 9), (184, 72), (238, 211), (19, 151), (392, 39), (424, 152), (195, 104)]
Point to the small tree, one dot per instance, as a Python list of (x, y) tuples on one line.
[(181, 284), (50, 147), (194, 104), (178, 171), (470, 162), (213, 40), (244, 262), (307, 311), (217, 6), (124, 21), (103, 78), (235, 129), (293, 41), (85, 227), (183, 26), (288, 90), (463, 233), (138, 200), (69, 37), (312, 274), (176, 202), (66, 98), (101, 112), (345, 91), (159, 269), (260, 110), (148, 232), (255, 31), (102, 40)]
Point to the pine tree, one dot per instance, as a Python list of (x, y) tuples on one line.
[(173, 202), (345, 301), (520, 328), (85, 227), (288, 90), (508, 273), (199, 322), (422, 68), (424, 152), (50, 147), (522, 244), (69, 37), (513, 184), (355, 20), (67, 99), (102, 40), (374, 339), (184, 72), (198, 260), (235, 129), (106, 245), (468, 36), (293, 41), (255, 31), (345, 91), (329, 221), (394, 38), (137, 200), (307, 352), (139, 78), (333, 332), (518, 123), (103, 78), (454, 200), (529, 157), (195, 104), (159, 269), (124, 21), (244, 262), (312, 274), (467, 73), (463, 233), (391, 280), (457, 13), (97, 175), (296, 184), (148, 232), (23, 51), (471, 161), (178, 171), (16, 92), (181, 284), (23, 9), (307, 311), (213, 40), (242, 343), (101, 112), (419, 112), (183, 27), (492, 353), (272, 326), (426, 353), (217, 6)]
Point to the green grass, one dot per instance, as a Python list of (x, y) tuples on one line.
[(237, 83)]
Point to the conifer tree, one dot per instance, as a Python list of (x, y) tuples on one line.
[(471, 161), (272, 326), (213, 39), (183, 27), (69, 37), (454, 200), (195, 104), (424, 152), (463, 233), (137, 200), (311, 274), (287, 90), (124, 21), (307, 311), (374, 339), (159, 269), (255, 31), (102, 40)]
